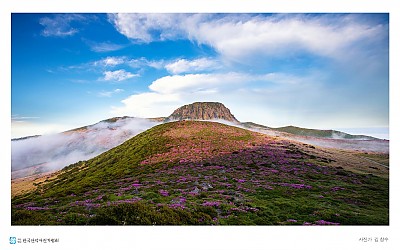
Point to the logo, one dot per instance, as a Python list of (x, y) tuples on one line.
[(13, 240)]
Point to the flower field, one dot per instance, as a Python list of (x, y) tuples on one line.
[(206, 173)]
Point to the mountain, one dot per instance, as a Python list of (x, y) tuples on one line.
[(46, 153), (24, 138), (198, 172), (202, 111), (322, 133), (112, 121), (38, 154), (252, 125)]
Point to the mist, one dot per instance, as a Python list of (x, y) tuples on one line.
[(337, 141), (53, 152), (377, 146)]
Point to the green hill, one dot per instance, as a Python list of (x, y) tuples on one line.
[(322, 133), (193, 172), (253, 125)]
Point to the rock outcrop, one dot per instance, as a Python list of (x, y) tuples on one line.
[(202, 111)]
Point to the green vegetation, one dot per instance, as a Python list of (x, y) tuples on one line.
[(321, 133), (381, 158), (205, 173), (253, 125)]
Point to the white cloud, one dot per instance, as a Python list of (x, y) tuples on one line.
[(107, 62), (238, 36), (136, 63), (143, 62), (118, 75), (184, 66), (113, 61), (176, 66), (19, 118), (196, 82), (21, 128), (148, 105), (155, 64), (55, 151), (60, 24), (324, 36), (110, 61), (104, 46), (145, 27), (170, 92), (222, 81), (109, 93)]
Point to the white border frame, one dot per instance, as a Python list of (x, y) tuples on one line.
[(176, 237)]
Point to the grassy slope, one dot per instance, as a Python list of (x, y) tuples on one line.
[(320, 133), (205, 173)]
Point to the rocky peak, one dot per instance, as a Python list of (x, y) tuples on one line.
[(202, 111)]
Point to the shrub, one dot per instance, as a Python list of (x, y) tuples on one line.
[(75, 219), (25, 217), (212, 212), (143, 214)]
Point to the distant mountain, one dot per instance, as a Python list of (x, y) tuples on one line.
[(253, 125), (334, 134), (109, 120), (202, 111), (24, 138), (198, 172)]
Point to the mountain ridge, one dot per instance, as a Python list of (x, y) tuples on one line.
[(33, 154), (322, 133), (218, 111)]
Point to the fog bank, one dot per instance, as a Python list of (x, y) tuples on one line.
[(53, 152)]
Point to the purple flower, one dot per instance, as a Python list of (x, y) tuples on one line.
[(132, 200), (163, 192), (36, 208), (176, 205), (251, 209), (323, 222), (182, 179), (334, 189), (238, 209), (297, 186), (99, 197), (211, 203)]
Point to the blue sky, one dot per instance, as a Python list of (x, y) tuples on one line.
[(308, 70)]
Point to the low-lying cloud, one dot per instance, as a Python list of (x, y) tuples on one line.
[(53, 152)]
